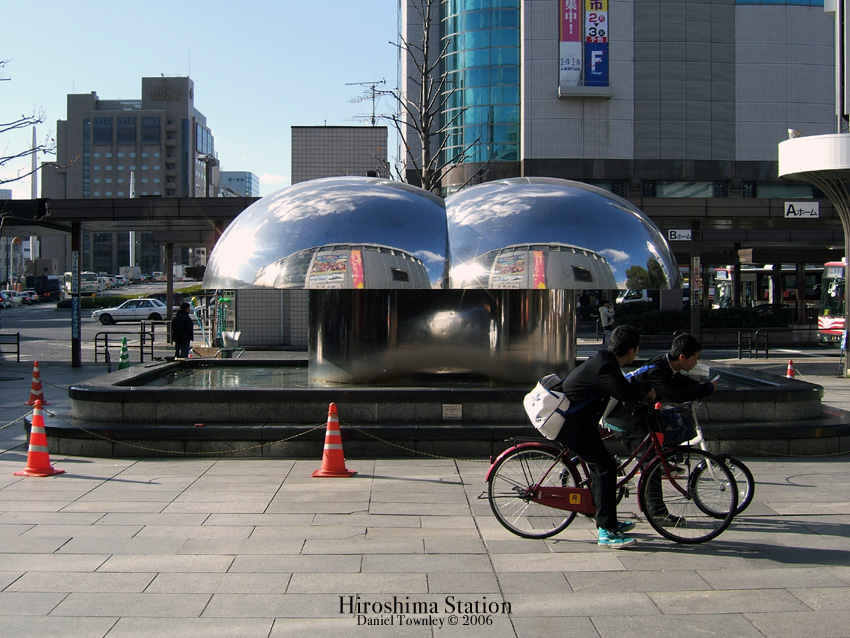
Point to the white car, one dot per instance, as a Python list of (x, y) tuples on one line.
[(11, 298), (30, 297), (132, 310), (121, 281)]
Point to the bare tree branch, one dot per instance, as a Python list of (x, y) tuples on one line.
[(420, 116), (46, 147)]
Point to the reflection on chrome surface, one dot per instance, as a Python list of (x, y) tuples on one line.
[(337, 232), (405, 284), (537, 232), (366, 336)]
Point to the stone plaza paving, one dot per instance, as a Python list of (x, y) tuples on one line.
[(222, 546)]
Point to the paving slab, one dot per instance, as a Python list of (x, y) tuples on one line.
[(257, 547)]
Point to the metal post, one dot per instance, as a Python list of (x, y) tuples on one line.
[(696, 278), (76, 339), (169, 280)]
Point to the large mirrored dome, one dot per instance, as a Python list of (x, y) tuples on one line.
[(337, 232), (536, 232)]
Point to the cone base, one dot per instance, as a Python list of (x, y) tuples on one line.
[(32, 471), (32, 402), (345, 473)]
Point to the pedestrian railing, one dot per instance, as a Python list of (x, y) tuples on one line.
[(144, 342)]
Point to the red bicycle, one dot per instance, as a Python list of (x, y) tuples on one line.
[(688, 495)]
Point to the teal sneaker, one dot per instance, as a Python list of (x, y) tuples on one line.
[(614, 539), (625, 526)]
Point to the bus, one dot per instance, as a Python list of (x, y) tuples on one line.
[(88, 283), (831, 315), (756, 286)]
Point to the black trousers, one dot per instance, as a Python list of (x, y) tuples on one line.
[(584, 440), (654, 498)]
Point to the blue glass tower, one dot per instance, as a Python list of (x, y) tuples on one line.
[(482, 91)]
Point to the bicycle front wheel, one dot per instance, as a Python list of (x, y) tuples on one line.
[(511, 486), (744, 479), (695, 502)]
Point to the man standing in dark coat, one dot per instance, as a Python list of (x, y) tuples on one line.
[(182, 332)]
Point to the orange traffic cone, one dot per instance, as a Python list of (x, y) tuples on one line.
[(38, 459), (36, 394), (333, 459), (789, 373)]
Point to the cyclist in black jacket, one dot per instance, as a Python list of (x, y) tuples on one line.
[(664, 375), (591, 385)]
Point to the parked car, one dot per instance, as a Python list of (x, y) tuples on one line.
[(121, 281), (14, 298), (30, 297), (176, 299), (132, 310), (6, 299)]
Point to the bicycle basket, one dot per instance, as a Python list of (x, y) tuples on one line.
[(677, 425)]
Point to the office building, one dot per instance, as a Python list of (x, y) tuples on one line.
[(239, 184), (155, 146), (647, 98), (337, 151)]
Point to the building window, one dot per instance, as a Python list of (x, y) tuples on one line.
[(482, 80), (102, 130), (126, 130), (150, 130), (203, 140), (684, 189)]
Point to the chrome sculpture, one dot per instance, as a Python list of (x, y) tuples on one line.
[(404, 285)]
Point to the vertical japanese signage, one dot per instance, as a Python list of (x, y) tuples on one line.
[(539, 269), (357, 269), (596, 42), (570, 52), (75, 295)]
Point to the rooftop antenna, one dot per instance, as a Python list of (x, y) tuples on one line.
[(371, 93)]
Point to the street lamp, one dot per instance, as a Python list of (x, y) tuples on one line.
[(209, 161)]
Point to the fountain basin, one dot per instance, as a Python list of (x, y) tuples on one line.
[(270, 408)]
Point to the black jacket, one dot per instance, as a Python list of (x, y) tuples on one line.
[(595, 381), (670, 387), (182, 328)]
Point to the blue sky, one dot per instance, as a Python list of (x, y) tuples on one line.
[(259, 66)]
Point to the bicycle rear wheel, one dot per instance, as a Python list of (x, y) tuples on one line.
[(510, 490), (744, 479), (694, 505)]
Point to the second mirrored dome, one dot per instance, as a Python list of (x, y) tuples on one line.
[(337, 232), (551, 233)]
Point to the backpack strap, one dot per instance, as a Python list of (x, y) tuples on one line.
[(640, 370)]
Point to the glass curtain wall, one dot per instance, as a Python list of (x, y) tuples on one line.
[(482, 40)]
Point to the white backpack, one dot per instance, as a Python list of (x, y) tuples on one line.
[(547, 408)]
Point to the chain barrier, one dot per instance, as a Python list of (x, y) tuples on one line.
[(182, 453), (19, 419), (410, 449), (761, 453)]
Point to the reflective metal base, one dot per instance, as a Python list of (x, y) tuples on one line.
[(365, 336)]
